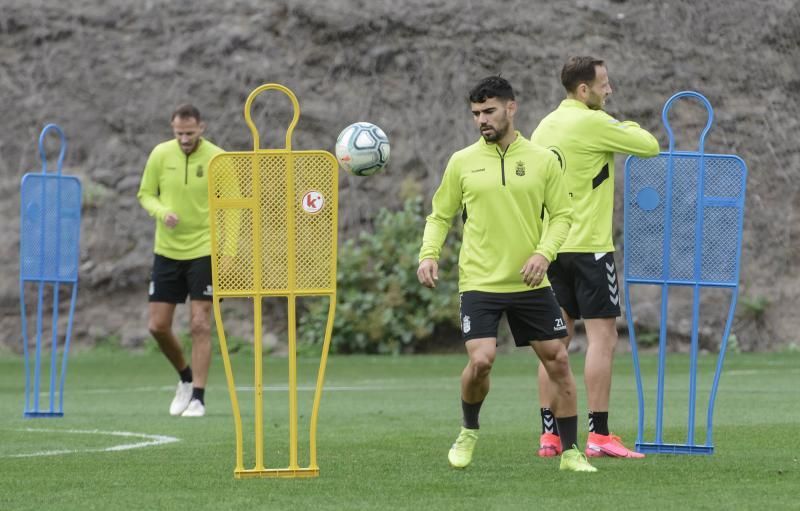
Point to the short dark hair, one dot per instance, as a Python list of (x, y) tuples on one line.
[(186, 111), (579, 70), (491, 87)]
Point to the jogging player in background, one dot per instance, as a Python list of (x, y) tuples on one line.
[(502, 184), (174, 190), (584, 277)]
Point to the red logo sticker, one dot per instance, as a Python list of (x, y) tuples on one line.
[(313, 202)]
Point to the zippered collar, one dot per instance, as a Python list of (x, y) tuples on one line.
[(495, 149), (196, 148)]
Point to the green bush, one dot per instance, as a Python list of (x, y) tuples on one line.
[(381, 307)]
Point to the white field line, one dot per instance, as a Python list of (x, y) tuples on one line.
[(268, 388), (735, 372), (150, 441)]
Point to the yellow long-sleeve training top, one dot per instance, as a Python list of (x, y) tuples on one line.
[(585, 141), (503, 197), (177, 182)]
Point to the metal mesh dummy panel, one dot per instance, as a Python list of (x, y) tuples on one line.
[(50, 230), (274, 216), (663, 209), (264, 240), (315, 179), (230, 183)]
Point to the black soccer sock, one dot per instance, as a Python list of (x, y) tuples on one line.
[(199, 394), (186, 375), (471, 411), (548, 421), (598, 423), (568, 431)]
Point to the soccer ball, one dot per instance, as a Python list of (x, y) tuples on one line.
[(362, 149)]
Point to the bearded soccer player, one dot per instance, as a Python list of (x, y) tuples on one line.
[(174, 190), (502, 184), (584, 138)]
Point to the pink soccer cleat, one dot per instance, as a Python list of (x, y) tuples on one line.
[(549, 445), (608, 445)]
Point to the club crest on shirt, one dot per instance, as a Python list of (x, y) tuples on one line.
[(520, 168), (199, 171)]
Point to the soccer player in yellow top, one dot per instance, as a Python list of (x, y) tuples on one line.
[(174, 190), (584, 138), (502, 184)]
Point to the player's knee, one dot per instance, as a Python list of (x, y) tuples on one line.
[(200, 328), (605, 344), (557, 363), (481, 364), (613, 338), (611, 345), (158, 328)]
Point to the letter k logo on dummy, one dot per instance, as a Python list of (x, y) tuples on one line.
[(313, 202)]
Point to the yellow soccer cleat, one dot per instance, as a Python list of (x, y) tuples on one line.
[(574, 460), (460, 454)]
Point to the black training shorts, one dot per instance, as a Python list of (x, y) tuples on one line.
[(586, 284), (172, 280), (532, 315)]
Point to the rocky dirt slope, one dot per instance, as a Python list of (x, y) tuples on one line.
[(110, 72)]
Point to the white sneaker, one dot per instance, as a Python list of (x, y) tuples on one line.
[(183, 394), (195, 409)]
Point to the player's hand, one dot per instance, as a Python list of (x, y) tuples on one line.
[(171, 220), (535, 270), (428, 272)]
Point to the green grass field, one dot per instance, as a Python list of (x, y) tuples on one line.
[(386, 424)]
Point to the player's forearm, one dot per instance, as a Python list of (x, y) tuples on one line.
[(433, 237), (152, 205), (629, 138), (556, 233)]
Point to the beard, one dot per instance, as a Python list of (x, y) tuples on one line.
[(189, 148), (496, 134), (595, 101)]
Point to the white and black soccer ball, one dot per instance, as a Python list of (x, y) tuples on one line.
[(362, 149)]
